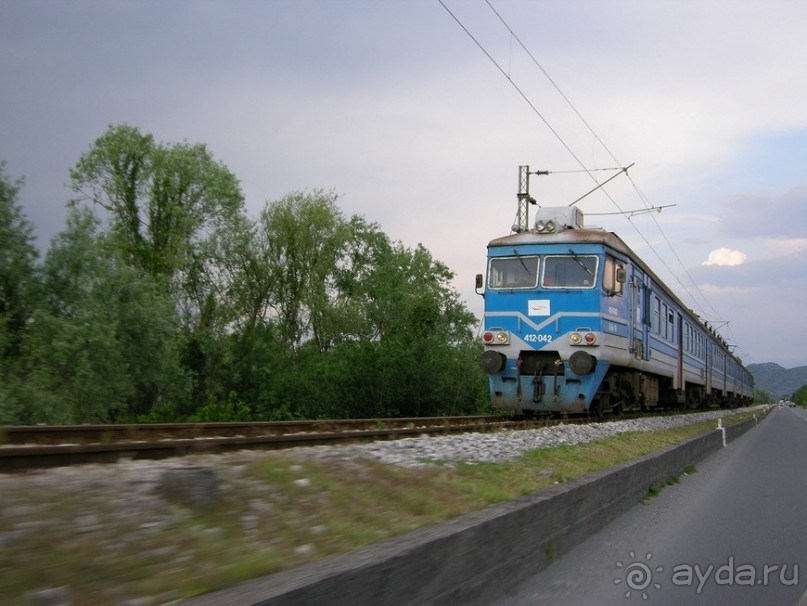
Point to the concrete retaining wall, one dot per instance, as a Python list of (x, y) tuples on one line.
[(469, 559)]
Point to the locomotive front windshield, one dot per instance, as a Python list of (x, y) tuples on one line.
[(569, 271), (555, 271), (513, 272)]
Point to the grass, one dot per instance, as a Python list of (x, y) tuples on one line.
[(275, 511)]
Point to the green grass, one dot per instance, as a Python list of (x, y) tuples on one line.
[(275, 511)]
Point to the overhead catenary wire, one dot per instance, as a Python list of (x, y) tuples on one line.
[(597, 138), (515, 86), (628, 215)]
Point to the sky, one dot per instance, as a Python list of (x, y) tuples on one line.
[(418, 114)]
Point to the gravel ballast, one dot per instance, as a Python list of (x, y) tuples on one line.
[(501, 445)]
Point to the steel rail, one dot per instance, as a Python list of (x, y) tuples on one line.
[(19, 457), (60, 434)]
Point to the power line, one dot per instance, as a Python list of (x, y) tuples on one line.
[(515, 86), (648, 206), (597, 138), (551, 81)]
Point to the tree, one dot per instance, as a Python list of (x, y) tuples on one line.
[(167, 207), (19, 291), (425, 343), (335, 320), (306, 238), (162, 201), (162, 300), (18, 279), (103, 342), (762, 397)]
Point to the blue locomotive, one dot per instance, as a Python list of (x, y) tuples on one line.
[(576, 322)]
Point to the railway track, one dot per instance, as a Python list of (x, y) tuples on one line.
[(24, 447), (36, 447)]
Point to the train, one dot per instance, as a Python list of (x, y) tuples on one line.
[(576, 322)]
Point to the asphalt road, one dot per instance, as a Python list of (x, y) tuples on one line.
[(734, 532)]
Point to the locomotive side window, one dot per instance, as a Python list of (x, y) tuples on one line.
[(569, 271), (671, 334), (610, 277), (656, 315), (513, 272)]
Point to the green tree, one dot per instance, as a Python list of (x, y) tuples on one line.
[(800, 396), (305, 238), (162, 201), (19, 291), (280, 280), (335, 320), (168, 208), (18, 279), (301, 312), (763, 397), (424, 333), (103, 342), (244, 274)]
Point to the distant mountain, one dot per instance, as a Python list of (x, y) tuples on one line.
[(781, 382)]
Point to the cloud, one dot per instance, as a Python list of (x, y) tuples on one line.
[(725, 256)]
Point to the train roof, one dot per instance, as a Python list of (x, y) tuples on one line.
[(594, 235)]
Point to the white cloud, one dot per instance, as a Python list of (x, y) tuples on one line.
[(725, 256)]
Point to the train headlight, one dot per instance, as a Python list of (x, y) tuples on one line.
[(582, 363), (495, 337), (588, 338), (492, 361), (540, 226), (550, 227)]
